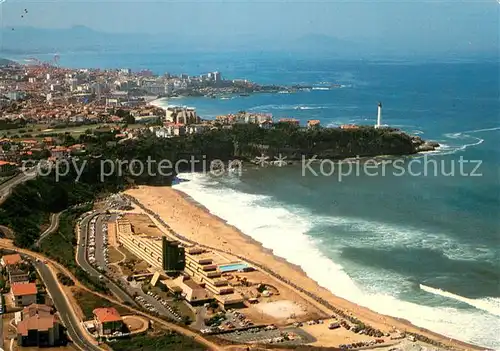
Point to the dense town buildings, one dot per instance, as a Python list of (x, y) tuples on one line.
[(39, 103)]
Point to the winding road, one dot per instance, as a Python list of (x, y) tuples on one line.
[(54, 224), (74, 326), (42, 264)]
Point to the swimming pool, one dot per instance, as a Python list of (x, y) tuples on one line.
[(233, 267)]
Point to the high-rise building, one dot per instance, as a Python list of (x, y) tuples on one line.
[(217, 77), (173, 256)]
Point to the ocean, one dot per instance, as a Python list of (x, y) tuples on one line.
[(423, 245)]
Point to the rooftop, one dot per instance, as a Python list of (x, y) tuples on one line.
[(107, 314), (36, 309), (36, 322), (23, 289), (11, 259)]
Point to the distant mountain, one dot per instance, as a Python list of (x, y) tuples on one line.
[(30, 40), (77, 38), (81, 38), (5, 62)]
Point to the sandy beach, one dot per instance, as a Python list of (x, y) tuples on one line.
[(196, 223)]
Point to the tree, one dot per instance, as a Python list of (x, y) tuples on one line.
[(121, 113), (129, 119)]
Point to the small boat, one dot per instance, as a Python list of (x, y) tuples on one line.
[(244, 94)]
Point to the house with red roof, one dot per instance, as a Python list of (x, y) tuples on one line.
[(313, 123), (23, 294), (11, 260), (290, 121), (59, 152), (107, 320), (38, 326)]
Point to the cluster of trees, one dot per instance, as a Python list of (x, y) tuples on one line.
[(246, 141), (169, 340), (65, 280), (294, 141), (6, 124), (127, 117), (30, 203)]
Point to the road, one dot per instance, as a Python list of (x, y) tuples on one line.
[(101, 262), (54, 224), (81, 260), (7, 232), (65, 311), (7, 244), (6, 188)]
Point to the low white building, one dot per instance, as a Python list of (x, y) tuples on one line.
[(196, 128), (181, 114), (175, 129)]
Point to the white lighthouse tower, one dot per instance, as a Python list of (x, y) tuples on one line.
[(379, 115)]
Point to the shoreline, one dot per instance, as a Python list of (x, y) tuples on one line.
[(223, 236), (298, 268)]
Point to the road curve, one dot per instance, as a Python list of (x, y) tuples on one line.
[(7, 244), (54, 224), (68, 317), (7, 231)]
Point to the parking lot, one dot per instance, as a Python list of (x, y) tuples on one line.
[(287, 336), (154, 304), (98, 243)]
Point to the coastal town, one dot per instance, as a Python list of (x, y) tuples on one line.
[(143, 264), (44, 107)]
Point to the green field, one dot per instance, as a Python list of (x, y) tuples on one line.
[(168, 341), (60, 245), (88, 302), (39, 131)]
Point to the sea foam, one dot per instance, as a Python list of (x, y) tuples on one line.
[(284, 230), (488, 304)]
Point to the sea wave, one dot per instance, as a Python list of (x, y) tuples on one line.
[(489, 304), (376, 234), (284, 229), (288, 107), (465, 135)]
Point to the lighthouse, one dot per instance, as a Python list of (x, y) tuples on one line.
[(379, 115)]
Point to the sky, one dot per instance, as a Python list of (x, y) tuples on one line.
[(423, 26)]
